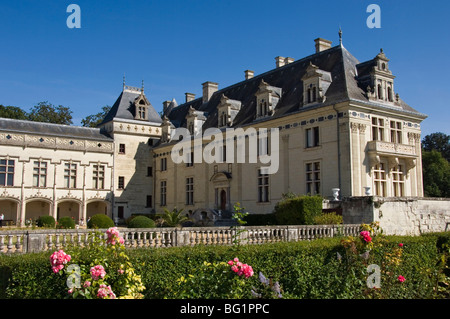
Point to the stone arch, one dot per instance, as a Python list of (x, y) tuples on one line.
[(36, 207), (68, 207), (98, 206), (10, 208)]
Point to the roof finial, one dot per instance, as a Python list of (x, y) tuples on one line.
[(340, 35), (142, 89), (123, 83)]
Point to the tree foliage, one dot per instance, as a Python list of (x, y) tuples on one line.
[(436, 174), (94, 120), (439, 142), (48, 113), (13, 112)]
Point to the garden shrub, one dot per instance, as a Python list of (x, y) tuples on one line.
[(66, 223), (325, 268), (100, 221), (260, 219), (299, 210), (46, 221), (141, 222), (328, 219)]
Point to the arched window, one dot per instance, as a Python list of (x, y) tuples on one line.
[(314, 95), (390, 94), (309, 95), (380, 92)]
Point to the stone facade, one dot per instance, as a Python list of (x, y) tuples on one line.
[(339, 124), (400, 216)]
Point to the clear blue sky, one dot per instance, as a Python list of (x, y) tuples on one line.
[(174, 46)]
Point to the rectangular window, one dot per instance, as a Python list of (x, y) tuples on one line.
[(312, 137), (190, 191), (190, 159), (121, 148), (39, 174), (70, 175), (263, 187), (7, 172), (263, 144), (164, 164), (120, 210), (163, 193), (379, 179), (149, 201), (121, 184), (377, 129), (398, 180), (98, 177), (396, 132), (149, 171), (313, 178)]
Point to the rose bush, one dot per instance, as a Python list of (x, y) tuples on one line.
[(102, 266)]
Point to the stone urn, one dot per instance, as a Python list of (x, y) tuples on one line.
[(367, 190), (335, 193)]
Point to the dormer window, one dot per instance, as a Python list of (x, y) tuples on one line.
[(195, 120), (141, 107), (227, 111), (381, 85), (315, 84), (267, 99)]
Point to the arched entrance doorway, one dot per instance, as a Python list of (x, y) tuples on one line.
[(221, 185), (223, 199)]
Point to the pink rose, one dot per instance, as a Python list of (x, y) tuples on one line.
[(400, 245), (401, 278), (231, 263), (98, 272)]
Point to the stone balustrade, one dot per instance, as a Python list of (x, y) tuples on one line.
[(23, 241)]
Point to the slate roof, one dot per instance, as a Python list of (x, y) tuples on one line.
[(50, 129), (344, 87), (123, 108)]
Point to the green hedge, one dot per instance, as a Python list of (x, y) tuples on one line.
[(305, 269), (100, 221), (298, 210)]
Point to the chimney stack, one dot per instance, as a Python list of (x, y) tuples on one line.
[(288, 60), (189, 97), (249, 74), (322, 44), (166, 106), (280, 61), (208, 90)]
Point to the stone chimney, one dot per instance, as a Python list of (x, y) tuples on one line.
[(288, 60), (208, 90), (189, 97), (249, 74), (280, 61), (166, 106), (322, 44)]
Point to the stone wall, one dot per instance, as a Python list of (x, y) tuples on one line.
[(400, 216)]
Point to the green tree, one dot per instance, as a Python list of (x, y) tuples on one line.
[(94, 120), (436, 174), (173, 218), (439, 142), (13, 112), (48, 113)]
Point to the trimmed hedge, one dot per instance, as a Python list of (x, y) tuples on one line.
[(298, 210), (46, 221), (305, 269), (141, 222), (66, 223), (100, 221)]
